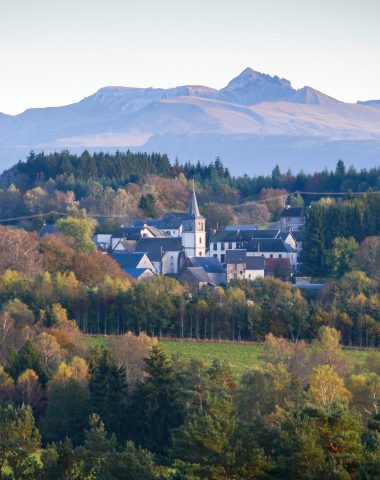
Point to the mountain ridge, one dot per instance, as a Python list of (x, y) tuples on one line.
[(263, 109)]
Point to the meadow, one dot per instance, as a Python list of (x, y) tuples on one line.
[(241, 356)]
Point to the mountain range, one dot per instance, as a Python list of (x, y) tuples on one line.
[(254, 122)]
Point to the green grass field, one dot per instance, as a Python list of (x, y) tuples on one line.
[(241, 356)]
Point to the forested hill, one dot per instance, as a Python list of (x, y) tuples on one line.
[(123, 167)]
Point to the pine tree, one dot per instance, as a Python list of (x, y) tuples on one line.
[(155, 410), (109, 392)]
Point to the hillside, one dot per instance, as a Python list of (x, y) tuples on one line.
[(255, 116)]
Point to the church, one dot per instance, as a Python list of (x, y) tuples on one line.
[(167, 242)]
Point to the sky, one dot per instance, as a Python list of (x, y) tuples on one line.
[(55, 52)]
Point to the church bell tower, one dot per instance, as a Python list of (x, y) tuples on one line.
[(194, 230)]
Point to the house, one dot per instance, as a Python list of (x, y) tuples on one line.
[(195, 278), (211, 266), (236, 239), (236, 262), (293, 218), (134, 263), (165, 253), (125, 238), (278, 268), (288, 238), (102, 241), (255, 267), (272, 248), (140, 273)]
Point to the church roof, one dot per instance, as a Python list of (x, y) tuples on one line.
[(193, 205)]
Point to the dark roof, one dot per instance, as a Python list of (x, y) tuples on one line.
[(193, 206), (199, 274), (128, 233), (243, 235), (298, 235), (241, 227), (255, 263), (293, 212), (209, 264), (266, 245), (47, 229), (172, 221), (140, 223), (126, 259), (136, 272), (236, 256), (155, 247)]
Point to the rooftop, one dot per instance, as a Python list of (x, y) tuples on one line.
[(209, 264), (156, 247), (236, 256)]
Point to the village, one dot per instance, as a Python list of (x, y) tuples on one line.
[(178, 245)]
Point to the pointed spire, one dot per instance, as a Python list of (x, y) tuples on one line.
[(193, 204)]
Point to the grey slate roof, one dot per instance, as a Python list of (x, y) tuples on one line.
[(128, 233), (298, 235), (127, 260), (241, 227), (171, 221), (255, 263), (193, 206), (243, 235), (236, 256), (155, 247), (136, 272), (209, 264), (140, 223), (199, 274), (266, 245)]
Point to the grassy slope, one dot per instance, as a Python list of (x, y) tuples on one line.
[(240, 356)]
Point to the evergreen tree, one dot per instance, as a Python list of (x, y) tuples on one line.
[(155, 409), (27, 357), (109, 392)]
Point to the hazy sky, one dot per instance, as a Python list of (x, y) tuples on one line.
[(54, 52)]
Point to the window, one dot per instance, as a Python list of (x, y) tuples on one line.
[(200, 240), (215, 255), (230, 245), (200, 254), (222, 258), (271, 255), (280, 255), (215, 246), (249, 276), (222, 246), (241, 272)]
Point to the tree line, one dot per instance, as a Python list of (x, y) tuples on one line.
[(128, 410), (334, 229), (43, 280)]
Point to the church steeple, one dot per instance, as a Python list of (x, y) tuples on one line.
[(194, 230), (193, 205)]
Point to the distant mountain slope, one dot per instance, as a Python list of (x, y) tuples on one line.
[(255, 121)]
